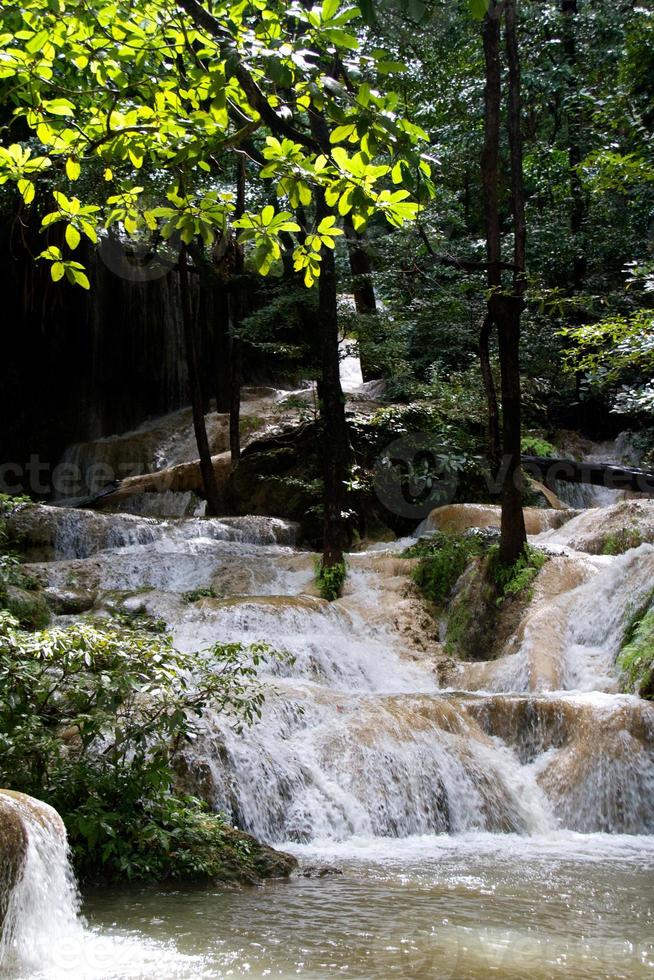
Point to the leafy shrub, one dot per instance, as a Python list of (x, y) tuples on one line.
[(249, 423), (197, 594), (617, 542), (535, 446), (330, 579), (92, 718), (636, 659), (443, 559), (512, 580)]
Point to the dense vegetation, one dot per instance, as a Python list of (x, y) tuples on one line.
[(341, 145), (477, 176), (94, 718)]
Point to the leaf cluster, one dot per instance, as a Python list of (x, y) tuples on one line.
[(92, 719)]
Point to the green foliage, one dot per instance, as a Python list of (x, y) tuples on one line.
[(613, 345), (514, 580), (166, 836), (454, 442), (249, 423), (138, 621), (636, 659), (19, 593), (459, 621), (617, 542), (443, 559), (196, 594), (176, 90), (9, 501), (92, 718), (535, 446), (330, 579)]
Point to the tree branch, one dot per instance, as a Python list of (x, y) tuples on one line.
[(202, 18)]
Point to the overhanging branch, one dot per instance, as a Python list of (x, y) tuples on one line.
[(258, 101)]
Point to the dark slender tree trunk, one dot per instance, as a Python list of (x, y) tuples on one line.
[(221, 346), (211, 491), (237, 303), (204, 350), (513, 537), (491, 151), (336, 451), (574, 126), (494, 444), (364, 293), (490, 181), (504, 309)]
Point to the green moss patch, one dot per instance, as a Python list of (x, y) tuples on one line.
[(636, 659)]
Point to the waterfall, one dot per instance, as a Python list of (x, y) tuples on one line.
[(41, 919), (358, 736), (370, 738), (617, 452)]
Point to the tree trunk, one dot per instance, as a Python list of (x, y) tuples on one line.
[(490, 154), (514, 536), (494, 444), (573, 118), (221, 346), (364, 293), (336, 445), (490, 178), (236, 305), (336, 450), (211, 491)]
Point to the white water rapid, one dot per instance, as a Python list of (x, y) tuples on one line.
[(495, 820)]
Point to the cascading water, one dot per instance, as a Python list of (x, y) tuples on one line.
[(363, 758), (42, 907)]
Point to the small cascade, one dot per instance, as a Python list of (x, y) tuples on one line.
[(168, 503), (569, 640), (62, 534), (158, 443), (616, 452), (357, 736), (369, 737), (336, 766), (41, 919)]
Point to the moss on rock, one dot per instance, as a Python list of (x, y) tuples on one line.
[(13, 845), (29, 607), (217, 852), (636, 659)]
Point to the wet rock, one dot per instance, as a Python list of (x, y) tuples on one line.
[(17, 811), (457, 518), (43, 533), (13, 845), (472, 614), (242, 858), (608, 530), (29, 607), (317, 871), (69, 602)]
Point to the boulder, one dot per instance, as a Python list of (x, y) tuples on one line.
[(17, 812), (609, 530), (457, 518)]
